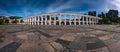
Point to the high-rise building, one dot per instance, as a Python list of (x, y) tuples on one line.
[(102, 15), (112, 14), (92, 13)]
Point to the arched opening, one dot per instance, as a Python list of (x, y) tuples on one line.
[(72, 23), (67, 23), (62, 23), (57, 23), (77, 23)]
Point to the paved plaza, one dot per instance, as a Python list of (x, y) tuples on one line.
[(59, 38)]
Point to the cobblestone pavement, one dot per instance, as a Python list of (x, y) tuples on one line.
[(91, 38)]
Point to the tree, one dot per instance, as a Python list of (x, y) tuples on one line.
[(1, 21), (104, 20), (15, 21), (92, 13), (21, 21), (15, 17), (7, 21)]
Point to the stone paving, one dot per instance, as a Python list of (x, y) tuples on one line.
[(91, 38)]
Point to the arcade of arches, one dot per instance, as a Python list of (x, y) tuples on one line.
[(61, 19)]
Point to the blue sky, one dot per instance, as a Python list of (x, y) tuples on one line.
[(32, 7)]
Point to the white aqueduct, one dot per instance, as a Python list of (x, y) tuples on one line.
[(61, 19)]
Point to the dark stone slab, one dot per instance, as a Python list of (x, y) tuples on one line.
[(87, 43), (63, 42), (12, 47)]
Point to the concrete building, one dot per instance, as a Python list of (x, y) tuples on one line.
[(92, 13), (112, 14), (61, 19)]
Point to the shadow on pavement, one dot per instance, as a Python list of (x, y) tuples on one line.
[(63, 42), (12, 47)]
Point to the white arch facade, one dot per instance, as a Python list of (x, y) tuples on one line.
[(61, 19)]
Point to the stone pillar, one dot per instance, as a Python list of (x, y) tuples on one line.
[(38, 20), (41, 20), (59, 19), (65, 19), (45, 20), (31, 20), (74, 20), (55, 20), (28, 21), (70, 20), (79, 20), (87, 20), (10, 21), (50, 20), (93, 21), (25, 21), (35, 20), (96, 20)]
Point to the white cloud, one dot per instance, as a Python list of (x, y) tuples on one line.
[(116, 3), (113, 4), (59, 6)]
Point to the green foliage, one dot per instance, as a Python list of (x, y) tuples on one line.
[(107, 20), (1, 21), (15, 17), (15, 21), (5, 20), (21, 21), (104, 21)]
